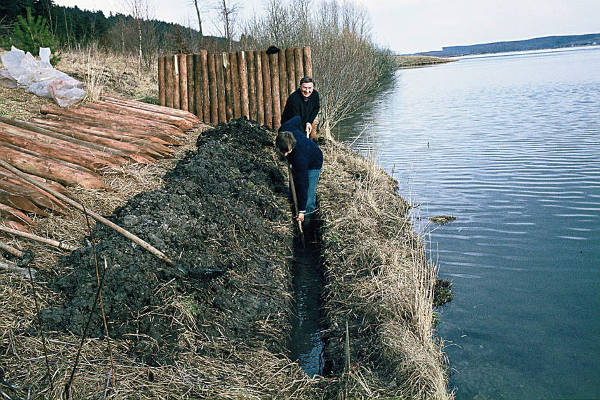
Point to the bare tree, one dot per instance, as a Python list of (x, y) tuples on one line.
[(198, 14), (228, 11), (140, 11)]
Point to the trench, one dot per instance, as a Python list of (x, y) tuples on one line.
[(306, 342)]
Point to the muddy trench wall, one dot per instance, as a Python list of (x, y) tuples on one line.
[(219, 87)]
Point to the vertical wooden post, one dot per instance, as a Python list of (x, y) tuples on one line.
[(307, 61), (220, 87), (260, 99), (183, 96), (169, 90), (161, 81), (197, 85), (298, 63), (274, 64), (228, 86), (235, 85), (289, 59), (283, 82), (176, 103), (214, 98), (252, 86), (205, 94), (191, 86), (243, 84), (268, 101)]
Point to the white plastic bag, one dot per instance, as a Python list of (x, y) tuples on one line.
[(39, 77)]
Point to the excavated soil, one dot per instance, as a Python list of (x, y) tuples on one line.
[(223, 216)]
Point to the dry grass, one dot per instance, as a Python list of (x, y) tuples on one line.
[(379, 282), (109, 74)]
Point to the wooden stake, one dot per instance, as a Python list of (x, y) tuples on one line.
[(260, 102), (183, 84), (283, 82), (191, 83), (275, 96), (268, 98), (291, 74), (176, 93), (221, 87), (252, 86), (298, 63), (198, 87), (245, 109), (169, 90), (235, 85), (161, 81), (228, 87), (205, 95), (307, 61), (214, 101)]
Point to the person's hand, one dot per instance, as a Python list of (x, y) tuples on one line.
[(300, 217), (308, 129)]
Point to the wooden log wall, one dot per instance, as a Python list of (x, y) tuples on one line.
[(219, 87)]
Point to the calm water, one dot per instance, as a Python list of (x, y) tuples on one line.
[(510, 146)]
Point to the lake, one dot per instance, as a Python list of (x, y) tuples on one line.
[(510, 146)]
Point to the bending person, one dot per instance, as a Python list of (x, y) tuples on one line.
[(306, 159), (303, 102)]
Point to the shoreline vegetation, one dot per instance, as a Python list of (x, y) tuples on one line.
[(420, 61)]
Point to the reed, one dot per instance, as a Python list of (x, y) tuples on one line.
[(379, 282)]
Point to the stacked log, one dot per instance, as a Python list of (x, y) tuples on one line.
[(71, 146)]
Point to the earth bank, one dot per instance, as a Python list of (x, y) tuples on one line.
[(217, 324)]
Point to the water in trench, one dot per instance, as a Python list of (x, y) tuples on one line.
[(306, 345)]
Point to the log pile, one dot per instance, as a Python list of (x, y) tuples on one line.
[(72, 146)]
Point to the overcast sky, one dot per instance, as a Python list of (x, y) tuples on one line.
[(408, 26)]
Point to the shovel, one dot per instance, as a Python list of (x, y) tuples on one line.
[(293, 187)]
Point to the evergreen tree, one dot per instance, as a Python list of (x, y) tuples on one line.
[(30, 33)]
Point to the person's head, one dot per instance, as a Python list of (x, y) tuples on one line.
[(285, 142), (306, 86)]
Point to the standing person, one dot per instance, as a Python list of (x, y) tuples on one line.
[(303, 102), (306, 159)]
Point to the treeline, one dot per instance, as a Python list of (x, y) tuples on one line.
[(74, 27)]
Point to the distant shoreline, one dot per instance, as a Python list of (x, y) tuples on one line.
[(538, 43), (420, 61)]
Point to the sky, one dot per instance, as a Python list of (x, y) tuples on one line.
[(409, 26)]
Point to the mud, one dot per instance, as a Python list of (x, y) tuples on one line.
[(223, 217)]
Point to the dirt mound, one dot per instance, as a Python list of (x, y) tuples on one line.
[(223, 217)]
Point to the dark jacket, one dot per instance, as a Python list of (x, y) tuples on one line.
[(296, 105), (305, 155)]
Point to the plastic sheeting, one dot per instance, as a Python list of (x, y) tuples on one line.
[(39, 77)]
